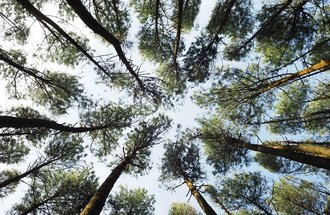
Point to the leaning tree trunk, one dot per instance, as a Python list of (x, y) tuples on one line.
[(200, 199), (37, 205), (96, 204), (289, 153), (21, 122), (323, 64), (19, 177)]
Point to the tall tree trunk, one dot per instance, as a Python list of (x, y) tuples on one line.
[(19, 177), (200, 199), (323, 64), (19, 122), (96, 204), (291, 154), (313, 116), (317, 150)]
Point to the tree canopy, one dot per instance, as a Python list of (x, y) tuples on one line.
[(93, 91)]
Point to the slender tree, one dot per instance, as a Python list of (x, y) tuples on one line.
[(131, 201), (135, 159), (181, 160)]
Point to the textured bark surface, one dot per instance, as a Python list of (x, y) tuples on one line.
[(96, 204), (314, 160), (200, 199), (19, 122)]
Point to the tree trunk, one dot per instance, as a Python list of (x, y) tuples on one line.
[(308, 117), (321, 65), (200, 199), (19, 177), (299, 156), (19, 122), (96, 204), (321, 151)]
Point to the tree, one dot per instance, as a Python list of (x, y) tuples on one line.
[(131, 201), (216, 136), (246, 191), (57, 193), (178, 208), (135, 159), (290, 196), (63, 150), (181, 160)]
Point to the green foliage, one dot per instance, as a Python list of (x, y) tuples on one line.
[(155, 45), (6, 175), (280, 165), (199, 59), (131, 201), (248, 191), (178, 208), (12, 150), (111, 120), (65, 147), (182, 159), (141, 139), (220, 145), (15, 26), (302, 108), (238, 23), (236, 94), (114, 16), (190, 11), (298, 198), (288, 33), (273, 37), (58, 98), (64, 192), (291, 101)]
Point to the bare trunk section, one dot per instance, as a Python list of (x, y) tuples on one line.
[(200, 199), (18, 122), (96, 204), (318, 115), (316, 150), (323, 64), (301, 157)]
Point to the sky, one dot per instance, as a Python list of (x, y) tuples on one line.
[(184, 115)]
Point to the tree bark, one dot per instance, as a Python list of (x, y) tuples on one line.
[(200, 199), (96, 204), (318, 115), (310, 149), (299, 156), (323, 64), (19, 122)]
